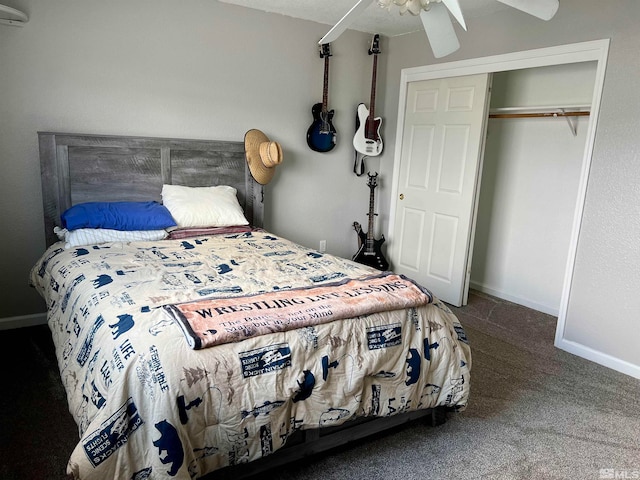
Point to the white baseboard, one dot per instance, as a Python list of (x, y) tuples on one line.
[(599, 357), (525, 302), (9, 323)]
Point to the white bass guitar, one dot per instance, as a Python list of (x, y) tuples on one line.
[(367, 139)]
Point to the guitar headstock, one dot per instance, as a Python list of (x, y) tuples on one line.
[(325, 50), (373, 180), (374, 49)]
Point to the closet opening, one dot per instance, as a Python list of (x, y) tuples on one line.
[(534, 147)]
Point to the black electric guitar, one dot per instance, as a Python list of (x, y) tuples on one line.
[(321, 135), (370, 250), (367, 139)]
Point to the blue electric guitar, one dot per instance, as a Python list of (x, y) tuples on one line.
[(321, 135), (367, 139)]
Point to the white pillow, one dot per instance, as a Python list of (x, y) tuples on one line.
[(203, 206), (93, 236)]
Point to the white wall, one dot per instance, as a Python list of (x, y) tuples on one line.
[(529, 187), (602, 318), (189, 69)]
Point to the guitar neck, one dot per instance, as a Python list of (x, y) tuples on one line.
[(373, 88), (370, 238), (325, 89)]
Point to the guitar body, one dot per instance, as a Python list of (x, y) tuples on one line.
[(370, 145), (373, 259), (321, 135)]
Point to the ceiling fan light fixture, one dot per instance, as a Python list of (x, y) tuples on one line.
[(414, 7)]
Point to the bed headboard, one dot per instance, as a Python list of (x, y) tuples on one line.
[(78, 168)]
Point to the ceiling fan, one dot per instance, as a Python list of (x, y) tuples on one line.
[(435, 18)]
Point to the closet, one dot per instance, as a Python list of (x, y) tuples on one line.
[(535, 142)]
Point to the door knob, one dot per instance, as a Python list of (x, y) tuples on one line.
[(402, 196)]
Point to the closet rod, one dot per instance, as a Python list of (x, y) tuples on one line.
[(539, 114)]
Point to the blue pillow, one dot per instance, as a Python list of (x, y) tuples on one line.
[(118, 216)]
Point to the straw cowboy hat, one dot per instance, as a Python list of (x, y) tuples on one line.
[(262, 155)]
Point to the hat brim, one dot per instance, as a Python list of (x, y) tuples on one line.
[(259, 171)]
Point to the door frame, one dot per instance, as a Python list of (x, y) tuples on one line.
[(596, 50)]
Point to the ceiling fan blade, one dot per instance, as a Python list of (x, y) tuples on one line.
[(456, 11), (543, 9), (439, 30), (345, 21)]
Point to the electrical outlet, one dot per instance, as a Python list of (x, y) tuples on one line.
[(323, 246)]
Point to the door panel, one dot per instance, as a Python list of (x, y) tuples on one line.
[(442, 141), (455, 143), (412, 227), (421, 147), (443, 247)]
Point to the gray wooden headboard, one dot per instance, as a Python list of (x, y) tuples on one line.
[(78, 168)]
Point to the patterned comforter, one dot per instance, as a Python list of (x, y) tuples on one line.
[(148, 405)]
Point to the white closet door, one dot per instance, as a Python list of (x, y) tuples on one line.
[(442, 140)]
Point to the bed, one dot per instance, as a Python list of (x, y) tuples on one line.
[(307, 351)]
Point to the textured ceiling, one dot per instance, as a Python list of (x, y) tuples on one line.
[(373, 20)]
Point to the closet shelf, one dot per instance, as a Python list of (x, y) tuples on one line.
[(547, 111), (11, 16)]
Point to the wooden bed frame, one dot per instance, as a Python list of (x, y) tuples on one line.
[(79, 168)]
